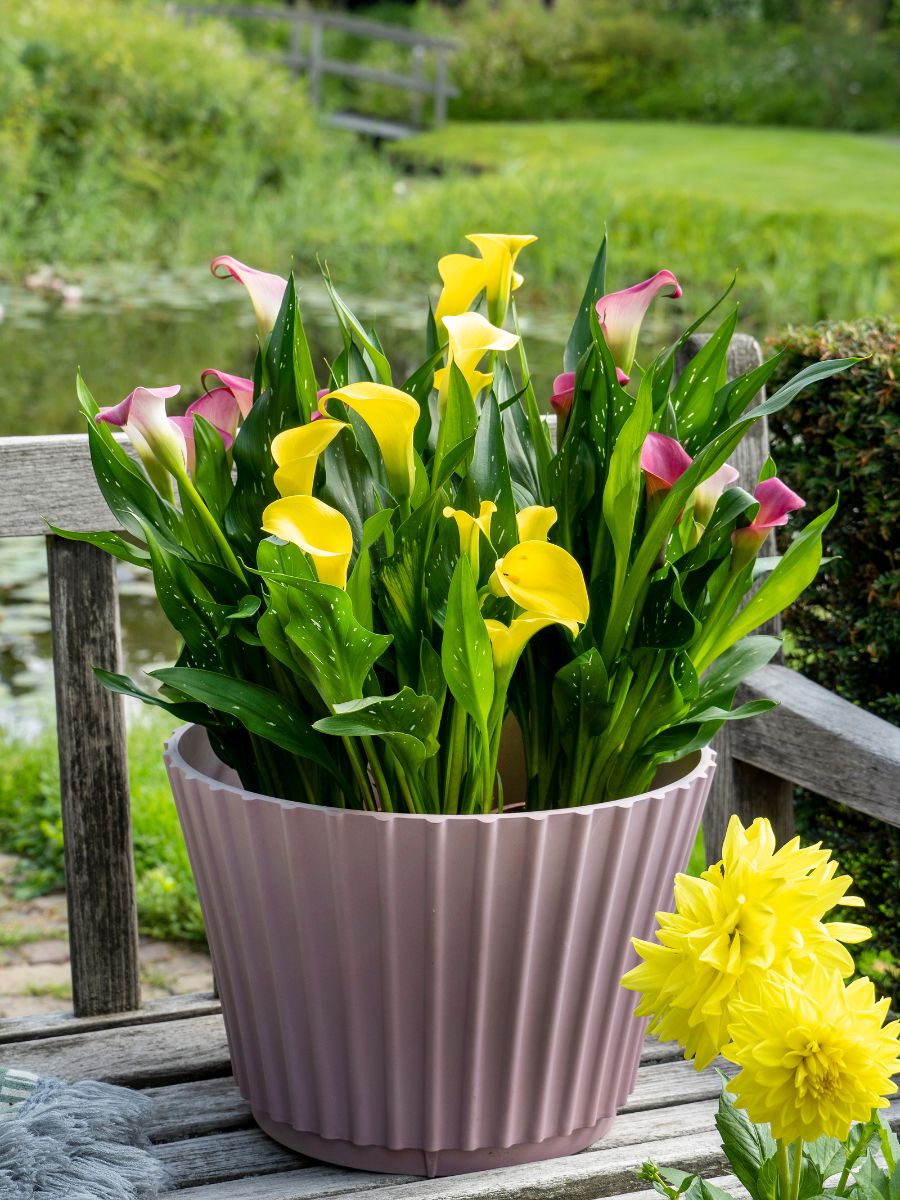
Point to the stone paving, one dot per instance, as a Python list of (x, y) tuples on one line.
[(34, 956)]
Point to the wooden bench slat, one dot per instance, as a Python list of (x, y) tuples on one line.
[(139, 1055), (219, 1157), (49, 479), (823, 742), (49, 1025), (313, 1183), (188, 1110)]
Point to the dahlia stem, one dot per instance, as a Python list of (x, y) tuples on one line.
[(798, 1164), (783, 1171)]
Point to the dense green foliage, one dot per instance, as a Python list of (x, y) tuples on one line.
[(812, 64), (846, 627), (30, 826), (116, 121)]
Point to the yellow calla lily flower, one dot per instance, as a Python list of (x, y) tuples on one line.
[(470, 338), (508, 641), (296, 453), (318, 529), (463, 278), (471, 528), (499, 252), (391, 415), (493, 273), (535, 522), (545, 579)]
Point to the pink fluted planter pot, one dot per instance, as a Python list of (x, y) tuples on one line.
[(429, 995)]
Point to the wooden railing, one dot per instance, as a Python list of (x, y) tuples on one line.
[(306, 52), (814, 738)]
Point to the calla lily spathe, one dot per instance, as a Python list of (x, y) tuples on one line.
[(318, 529), (776, 501), (707, 493), (663, 461), (154, 435), (391, 415), (545, 579), (471, 528), (296, 453), (266, 291), (471, 336), (508, 641), (534, 523), (464, 277), (621, 314), (220, 408), (240, 388)]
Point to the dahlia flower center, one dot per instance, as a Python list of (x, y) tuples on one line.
[(818, 1074)]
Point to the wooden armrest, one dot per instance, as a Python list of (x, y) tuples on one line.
[(821, 741)]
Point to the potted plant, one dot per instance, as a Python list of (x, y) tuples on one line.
[(418, 953)]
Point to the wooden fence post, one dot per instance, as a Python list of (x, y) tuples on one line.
[(315, 64), (440, 87), (96, 813)]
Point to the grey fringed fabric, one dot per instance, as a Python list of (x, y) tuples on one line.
[(81, 1141)]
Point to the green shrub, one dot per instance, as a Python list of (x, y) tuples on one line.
[(844, 436), (589, 58), (30, 826), (119, 125)]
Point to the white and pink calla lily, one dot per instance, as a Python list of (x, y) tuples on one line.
[(621, 314), (707, 493), (240, 388), (266, 291), (158, 441)]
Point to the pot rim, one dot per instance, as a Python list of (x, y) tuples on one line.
[(176, 761)]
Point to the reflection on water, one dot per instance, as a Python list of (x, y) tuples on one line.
[(125, 329)]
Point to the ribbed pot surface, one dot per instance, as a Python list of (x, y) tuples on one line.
[(429, 995)]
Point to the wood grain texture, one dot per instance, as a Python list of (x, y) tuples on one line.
[(93, 777), (823, 742), (50, 480), (219, 1157), (48, 1025), (136, 1056), (737, 787), (188, 1110)]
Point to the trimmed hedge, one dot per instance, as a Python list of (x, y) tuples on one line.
[(844, 436)]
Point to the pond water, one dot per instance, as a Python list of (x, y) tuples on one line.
[(124, 329)]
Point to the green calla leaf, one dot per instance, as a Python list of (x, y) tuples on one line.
[(260, 710), (339, 651), (405, 720), (466, 647), (580, 337), (213, 474), (490, 474), (112, 543)]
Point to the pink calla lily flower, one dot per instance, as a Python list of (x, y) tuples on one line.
[(220, 408), (621, 314), (663, 461), (240, 388), (776, 501), (155, 436), (266, 291), (707, 493), (563, 392)]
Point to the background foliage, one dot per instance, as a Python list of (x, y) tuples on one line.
[(845, 629)]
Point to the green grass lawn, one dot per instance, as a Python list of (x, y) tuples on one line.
[(809, 219)]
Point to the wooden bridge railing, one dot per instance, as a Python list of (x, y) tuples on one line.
[(814, 738), (306, 53)]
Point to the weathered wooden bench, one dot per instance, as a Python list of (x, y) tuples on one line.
[(176, 1049)]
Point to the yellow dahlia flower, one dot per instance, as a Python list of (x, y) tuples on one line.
[(756, 911), (814, 1057)]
